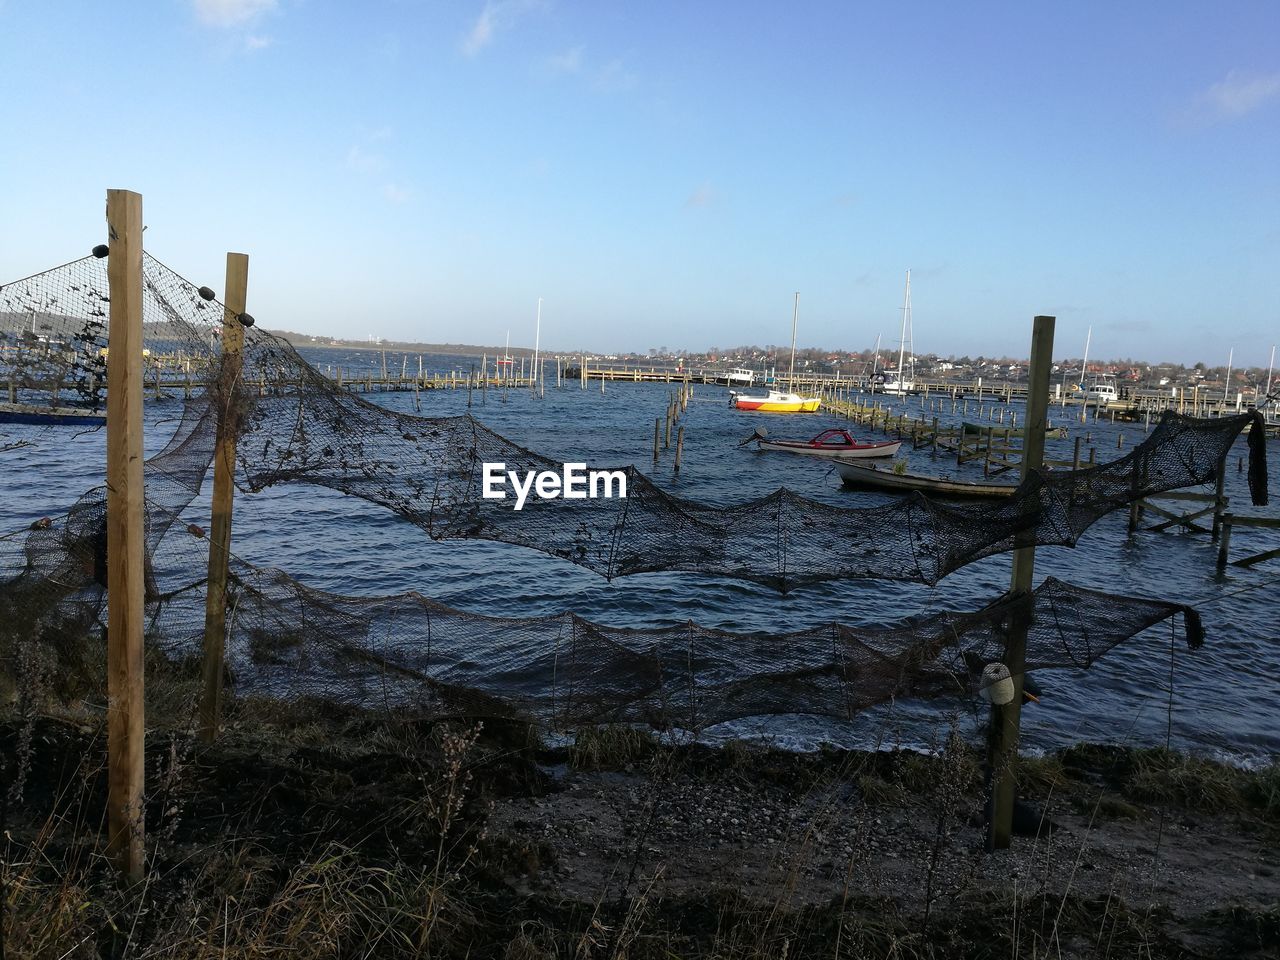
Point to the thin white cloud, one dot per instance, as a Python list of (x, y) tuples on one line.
[(568, 62), (1239, 94), (497, 15), (255, 42), (703, 196), (363, 161), (231, 13), (614, 77), (396, 193)]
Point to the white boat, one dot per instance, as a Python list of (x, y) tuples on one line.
[(900, 385), (740, 377), (829, 443), (869, 475), (1102, 390), (778, 401)]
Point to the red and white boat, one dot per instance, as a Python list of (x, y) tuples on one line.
[(831, 443)]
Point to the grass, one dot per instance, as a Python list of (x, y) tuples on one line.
[(317, 831), (612, 747)]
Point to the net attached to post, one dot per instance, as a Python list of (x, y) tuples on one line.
[(293, 425)]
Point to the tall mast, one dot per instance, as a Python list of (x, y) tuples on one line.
[(1226, 391), (1084, 364), (875, 360), (795, 315), (1267, 392), (537, 335), (902, 337)]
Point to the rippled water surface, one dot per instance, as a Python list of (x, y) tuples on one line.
[(1224, 695)]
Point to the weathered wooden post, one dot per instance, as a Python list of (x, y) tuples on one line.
[(679, 447), (656, 422), (1224, 543), (224, 464), (126, 536), (1219, 497), (1002, 747)]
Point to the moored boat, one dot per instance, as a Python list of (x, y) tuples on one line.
[(776, 401), (33, 414), (831, 443), (856, 474)]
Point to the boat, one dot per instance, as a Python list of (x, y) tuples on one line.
[(502, 366), (775, 401), (829, 443), (898, 385), (740, 376), (1102, 390), (855, 473), (27, 413), (779, 401)]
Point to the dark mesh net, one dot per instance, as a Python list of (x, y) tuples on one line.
[(293, 425)]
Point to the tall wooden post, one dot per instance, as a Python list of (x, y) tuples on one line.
[(224, 463), (1002, 747), (126, 536), (1219, 498)]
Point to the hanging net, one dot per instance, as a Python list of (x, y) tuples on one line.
[(293, 425)]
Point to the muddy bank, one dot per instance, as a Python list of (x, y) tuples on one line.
[(331, 833)]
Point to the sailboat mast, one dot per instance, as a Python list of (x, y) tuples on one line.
[(1270, 365), (902, 336), (1084, 364), (795, 316), (537, 335), (1226, 391)]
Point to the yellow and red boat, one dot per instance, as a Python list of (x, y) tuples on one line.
[(776, 402)]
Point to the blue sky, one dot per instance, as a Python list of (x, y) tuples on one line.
[(671, 173)]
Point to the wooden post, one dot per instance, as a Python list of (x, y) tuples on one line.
[(679, 446), (1225, 541), (1219, 498), (656, 422), (126, 537), (1002, 752), (224, 464)]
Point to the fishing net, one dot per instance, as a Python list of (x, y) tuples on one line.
[(287, 641), (293, 425)]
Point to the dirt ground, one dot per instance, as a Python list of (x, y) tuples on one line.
[(621, 847)]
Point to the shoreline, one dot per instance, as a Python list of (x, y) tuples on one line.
[(353, 819)]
